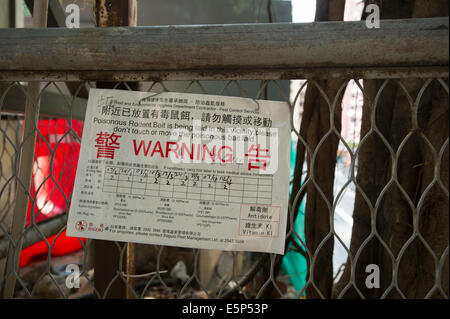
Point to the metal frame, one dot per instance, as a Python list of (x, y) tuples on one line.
[(400, 48)]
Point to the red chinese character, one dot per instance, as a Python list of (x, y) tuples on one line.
[(254, 157), (107, 144)]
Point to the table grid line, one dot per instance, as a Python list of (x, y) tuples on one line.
[(245, 189)]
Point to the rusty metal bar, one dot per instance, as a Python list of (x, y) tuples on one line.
[(230, 49), (113, 13), (225, 74), (131, 269)]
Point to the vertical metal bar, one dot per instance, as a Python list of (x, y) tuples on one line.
[(131, 247), (40, 11), (106, 255)]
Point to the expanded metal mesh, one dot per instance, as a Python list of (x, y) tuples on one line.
[(250, 275)]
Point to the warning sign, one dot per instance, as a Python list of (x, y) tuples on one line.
[(186, 170)]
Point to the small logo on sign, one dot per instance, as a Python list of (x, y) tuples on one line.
[(81, 225)]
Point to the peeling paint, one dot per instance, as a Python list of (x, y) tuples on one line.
[(101, 13)]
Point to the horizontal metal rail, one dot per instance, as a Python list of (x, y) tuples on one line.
[(399, 48)]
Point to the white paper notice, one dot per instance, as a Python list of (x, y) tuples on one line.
[(187, 170)]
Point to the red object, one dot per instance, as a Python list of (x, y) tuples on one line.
[(63, 245), (52, 183)]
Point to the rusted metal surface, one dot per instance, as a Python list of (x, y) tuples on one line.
[(236, 48), (130, 268), (223, 74), (111, 13), (56, 16)]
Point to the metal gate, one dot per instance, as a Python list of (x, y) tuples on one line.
[(405, 61)]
